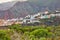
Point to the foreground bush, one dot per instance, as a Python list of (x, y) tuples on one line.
[(42, 38), (18, 28), (41, 33), (33, 32), (4, 35)]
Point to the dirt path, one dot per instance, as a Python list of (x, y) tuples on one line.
[(15, 36)]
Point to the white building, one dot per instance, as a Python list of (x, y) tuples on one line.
[(57, 13)]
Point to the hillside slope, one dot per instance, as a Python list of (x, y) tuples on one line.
[(17, 9), (51, 4)]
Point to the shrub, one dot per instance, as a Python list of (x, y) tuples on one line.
[(42, 38), (4, 35), (41, 33)]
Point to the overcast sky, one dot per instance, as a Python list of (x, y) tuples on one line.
[(2, 1)]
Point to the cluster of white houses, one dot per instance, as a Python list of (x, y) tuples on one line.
[(32, 18)]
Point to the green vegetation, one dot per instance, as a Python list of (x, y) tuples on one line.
[(5, 34), (41, 33), (16, 32), (33, 32)]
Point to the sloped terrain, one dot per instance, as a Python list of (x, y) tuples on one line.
[(21, 9), (24, 8), (51, 4), (18, 9)]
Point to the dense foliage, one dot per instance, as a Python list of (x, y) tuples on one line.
[(33, 32), (16, 32), (5, 34)]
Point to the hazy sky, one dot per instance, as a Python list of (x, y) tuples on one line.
[(2, 1)]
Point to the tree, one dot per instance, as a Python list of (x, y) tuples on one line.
[(41, 33)]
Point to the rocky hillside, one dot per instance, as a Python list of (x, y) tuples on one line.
[(21, 9), (17, 9), (51, 4)]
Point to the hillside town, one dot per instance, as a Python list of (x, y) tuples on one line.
[(29, 19), (35, 18)]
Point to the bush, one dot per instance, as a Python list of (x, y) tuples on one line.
[(42, 38), (4, 35), (41, 33), (16, 27), (33, 32)]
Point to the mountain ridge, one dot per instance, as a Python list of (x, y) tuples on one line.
[(19, 9), (51, 4)]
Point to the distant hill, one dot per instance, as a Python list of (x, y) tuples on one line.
[(51, 4), (17, 9)]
